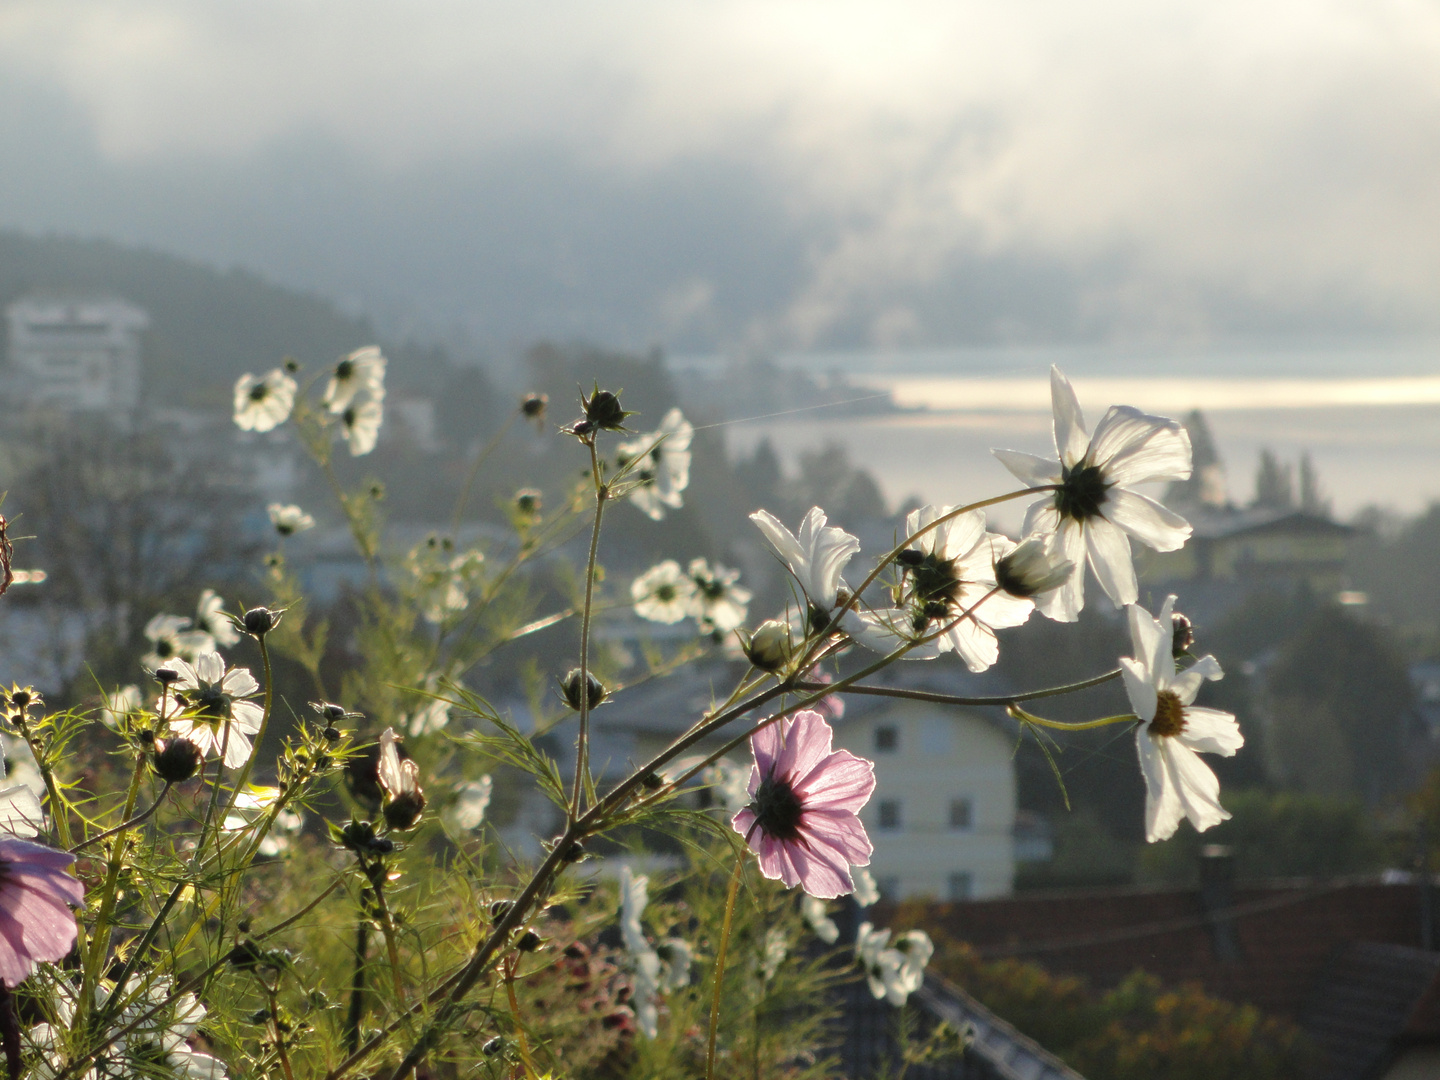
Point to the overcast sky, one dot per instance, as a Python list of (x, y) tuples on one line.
[(721, 173)]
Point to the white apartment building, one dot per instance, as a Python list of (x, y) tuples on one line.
[(80, 354)]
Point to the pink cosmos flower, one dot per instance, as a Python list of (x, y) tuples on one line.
[(36, 922), (802, 818)]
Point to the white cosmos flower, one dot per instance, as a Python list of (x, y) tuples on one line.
[(118, 704), (866, 891), (210, 618), (20, 811), (20, 766), (1094, 513), (253, 803), (171, 638), (660, 465), (360, 425), (471, 800), (155, 1039), (217, 718), (949, 570), (720, 604), (815, 914), (263, 402), (1172, 729), (289, 520), (817, 556), (634, 895), (894, 972), (664, 593), (360, 373), (774, 953), (400, 780)]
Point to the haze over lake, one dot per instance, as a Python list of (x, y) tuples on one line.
[(1369, 417)]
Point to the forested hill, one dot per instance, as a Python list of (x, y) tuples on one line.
[(207, 325)]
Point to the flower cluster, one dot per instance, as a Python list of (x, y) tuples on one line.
[(708, 594), (658, 466), (657, 968), (353, 401)]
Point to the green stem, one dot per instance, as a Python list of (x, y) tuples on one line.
[(582, 744), (954, 699), (720, 964), (136, 820), (1059, 725), (357, 985), (259, 735)]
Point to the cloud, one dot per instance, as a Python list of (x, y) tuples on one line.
[(1186, 168)]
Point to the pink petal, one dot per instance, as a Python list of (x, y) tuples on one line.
[(841, 782), (807, 743), (839, 831), (742, 822), (26, 851), (821, 872), (15, 962), (775, 861), (766, 745)]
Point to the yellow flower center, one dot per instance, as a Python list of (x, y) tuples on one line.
[(1169, 714)]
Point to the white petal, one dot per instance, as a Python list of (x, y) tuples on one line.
[(781, 538), (887, 629), (247, 716), (1071, 439), (209, 667), (1163, 809), (1199, 789), (1042, 520), (1145, 635), (999, 610), (239, 683), (1187, 684), (1146, 520), (976, 644), (1030, 469), (1211, 731), (20, 812), (1139, 688), (237, 748), (1109, 554), (1065, 603), (1134, 448)]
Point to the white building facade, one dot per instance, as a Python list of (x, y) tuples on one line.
[(942, 818), (78, 354)]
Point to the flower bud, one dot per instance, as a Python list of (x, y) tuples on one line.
[(532, 407), (176, 760), (527, 502), (529, 941), (499, 909), (166, 675), (603, 410), (1183, 635), (769, 647), (595, 692), (1030, 569), (259, 621), (493, 1046), (22, 699)]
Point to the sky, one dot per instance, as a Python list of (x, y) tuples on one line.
[(725, 174)]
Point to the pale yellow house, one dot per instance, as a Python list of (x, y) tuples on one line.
[(942, 818)]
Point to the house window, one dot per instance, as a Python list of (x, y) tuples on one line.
[(887, 739), (889, 813), (960, 814), (961, 886)]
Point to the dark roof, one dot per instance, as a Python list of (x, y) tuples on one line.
[(1218, 524), (996, 1051), (1369, 1000), (1283, 933)]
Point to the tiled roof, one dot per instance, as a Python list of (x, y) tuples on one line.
[(1369, 998), (1285, 933), (996, 1050)]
